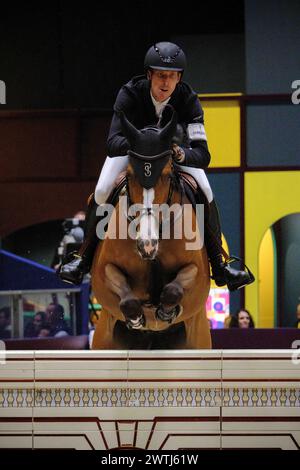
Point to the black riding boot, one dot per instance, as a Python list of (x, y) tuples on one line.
[(77, 264), (222, 272)]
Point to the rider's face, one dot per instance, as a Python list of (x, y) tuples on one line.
[(163, 83)]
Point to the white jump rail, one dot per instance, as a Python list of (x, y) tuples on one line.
[(151, 400)]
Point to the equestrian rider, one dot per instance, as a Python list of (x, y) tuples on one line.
[(143, 100)]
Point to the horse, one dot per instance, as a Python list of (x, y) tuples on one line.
[(152, 289)]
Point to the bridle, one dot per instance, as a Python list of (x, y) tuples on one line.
[(175, 184)]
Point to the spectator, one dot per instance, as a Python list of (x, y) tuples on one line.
[(5, 326), (242, 319), (34, 327), (55, 322)]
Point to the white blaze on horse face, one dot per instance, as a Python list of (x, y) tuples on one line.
[(147, 240)]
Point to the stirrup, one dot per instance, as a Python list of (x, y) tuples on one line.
[(231, 259), (70, 257), (74, 275)]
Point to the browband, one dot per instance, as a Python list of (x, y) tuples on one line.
[(149, 157)]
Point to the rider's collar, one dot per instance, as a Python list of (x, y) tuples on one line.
[(159, 105)]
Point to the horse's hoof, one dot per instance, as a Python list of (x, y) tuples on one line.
[(132, 310), (136, 323), (167, 315), (171, 294), (131, 307)]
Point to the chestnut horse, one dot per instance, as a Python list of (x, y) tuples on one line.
[(152, 289)]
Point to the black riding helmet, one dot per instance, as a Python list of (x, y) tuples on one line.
[(165, 56)]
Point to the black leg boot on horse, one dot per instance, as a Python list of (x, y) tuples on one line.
[(222, 272), (77, 264)]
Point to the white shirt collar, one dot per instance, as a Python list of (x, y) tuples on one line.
[(159, 105)]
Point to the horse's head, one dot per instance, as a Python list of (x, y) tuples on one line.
[(149, 176)]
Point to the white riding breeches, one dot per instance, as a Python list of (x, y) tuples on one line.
[(201, 179), (111, 169), (113, 166)]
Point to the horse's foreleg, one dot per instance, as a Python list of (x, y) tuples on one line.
[(173, 292), (129, 305)]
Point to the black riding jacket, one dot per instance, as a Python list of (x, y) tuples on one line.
[(134, 100)]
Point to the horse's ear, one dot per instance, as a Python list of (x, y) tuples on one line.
[(170, 128), (130, 132)]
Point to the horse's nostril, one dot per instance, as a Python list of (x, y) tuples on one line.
[(147, 248), (146, 243)]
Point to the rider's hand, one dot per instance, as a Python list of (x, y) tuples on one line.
[(179, 136), (178, 153)]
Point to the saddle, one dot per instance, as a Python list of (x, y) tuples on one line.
[(120, 184), (192, 189)]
